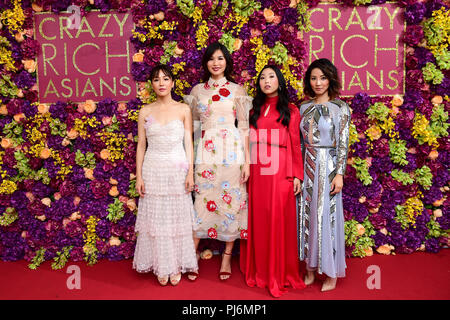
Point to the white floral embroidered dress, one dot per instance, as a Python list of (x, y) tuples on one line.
[(220, 200)]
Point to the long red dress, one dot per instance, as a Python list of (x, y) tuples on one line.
[(269, 255)]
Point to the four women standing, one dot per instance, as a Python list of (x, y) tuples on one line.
[(222, 166)]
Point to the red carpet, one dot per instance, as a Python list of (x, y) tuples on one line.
[(418, 276)]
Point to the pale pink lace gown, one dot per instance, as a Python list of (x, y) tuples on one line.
[(165, 214)]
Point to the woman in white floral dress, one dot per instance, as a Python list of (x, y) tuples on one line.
[(222, 154)]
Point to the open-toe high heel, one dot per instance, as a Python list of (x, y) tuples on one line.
[(225, 273), (174, 280), (192, 276), (163, 281)]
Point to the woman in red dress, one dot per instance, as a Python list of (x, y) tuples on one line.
[(269, 255)]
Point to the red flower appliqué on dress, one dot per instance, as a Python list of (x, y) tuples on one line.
[(209, 145), (215, 97), (212, 233), (244, 234), (227, 198), (211, 206), (224, 92)]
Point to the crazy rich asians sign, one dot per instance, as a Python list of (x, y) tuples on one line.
[(364, 43), (85, 57)]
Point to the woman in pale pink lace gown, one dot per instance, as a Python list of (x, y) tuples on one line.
[(164, 180)]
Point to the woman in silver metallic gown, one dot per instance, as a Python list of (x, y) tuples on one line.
[(325, 133)]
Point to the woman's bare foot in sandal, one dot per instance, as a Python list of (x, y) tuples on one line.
[(194, 275), (163, 280), (174, 280), (225, 268)]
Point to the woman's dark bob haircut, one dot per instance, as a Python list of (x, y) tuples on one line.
[(330, 72)]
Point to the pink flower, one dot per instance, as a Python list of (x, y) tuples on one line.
[(223, 133), (227, 198), (209, 145)]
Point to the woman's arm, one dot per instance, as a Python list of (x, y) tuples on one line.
[(188, 145), (140, 152)]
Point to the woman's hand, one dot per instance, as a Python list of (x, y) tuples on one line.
[(189, 183), (245, 173), (297, 186), (337, 184), (140, 187)]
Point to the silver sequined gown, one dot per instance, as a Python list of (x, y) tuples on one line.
[(165, 214), (325, 134)]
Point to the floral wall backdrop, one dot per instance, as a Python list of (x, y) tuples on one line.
[(67, 171)]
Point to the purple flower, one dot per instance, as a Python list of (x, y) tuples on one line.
[(412, 98), (443, 88), (30, 48), (413, 35), (140, 71), (77, 254), (58, 110), (432, 245), (423, 56), (271, 35), (415, 13), (156, 6), (103, 5), (290, 16), (60, 5), (431, 195), (360, 102), (106, 107), (380, 239)]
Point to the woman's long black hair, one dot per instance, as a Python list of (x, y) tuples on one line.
[(213, 47), (283, 99)]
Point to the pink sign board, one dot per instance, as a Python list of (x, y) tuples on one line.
[(364, 43), (84, 58)]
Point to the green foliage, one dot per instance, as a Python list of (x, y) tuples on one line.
[(397, 151), (402, 177), (37, 259), (61, 258), (7, 87), (439, 121), (424, 177), (279, 53), (228, 41), (435, 230), (378, 111), (85, 160), (24, 170), (57, 127), (8, 217), (115, 211), (443, 59), (362, 171), (13, 130), (432, 74), (186, 7), (401, 216), (245, 8)]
